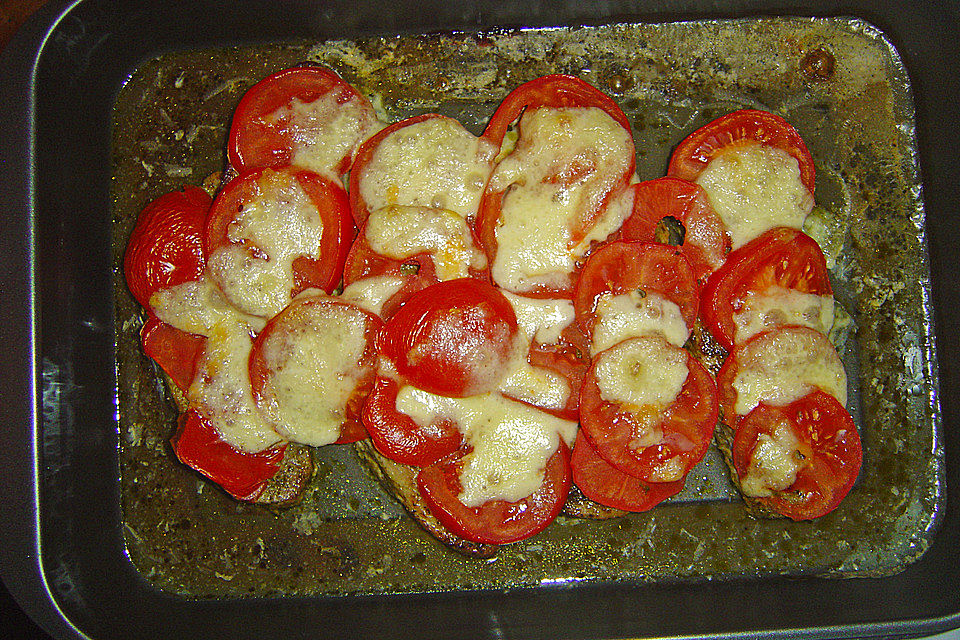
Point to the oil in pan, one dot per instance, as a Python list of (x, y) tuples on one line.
[(838, 81)]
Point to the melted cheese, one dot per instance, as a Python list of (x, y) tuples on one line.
[(400, 232), (755, 187), (432, 163), (643, 376), (511, 441), (779, 306), (784, 365), (315, 366), (221, 389), (326, 130), (541, 319), (371, 293), (631, 315), (566, 163), (283, 224), (774, 463), (198, 306)]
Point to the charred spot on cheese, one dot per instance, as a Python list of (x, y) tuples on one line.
[(634, 314), (777, 306), (755, 187), (556, 184), (775, 462), (314, 362), (785, 364), (432, 163), (255, 269), (400, 232), (511, 441), (325, 130), (222, 392)]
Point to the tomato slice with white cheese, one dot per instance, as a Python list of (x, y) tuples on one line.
[(649, 408), (778, 278), (174, 350), (494, 521), (777, 367), (550, 199), (242, 474), (428, 160), (312, 367), (800, 459), (274, 233), (304, 116), (603, 483), (660, 203), (755, 168), (628, 289)]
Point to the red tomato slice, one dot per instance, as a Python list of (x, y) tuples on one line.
[(747, 125), (760, 357), (174, 350), (782, 256), (620, 267), (454, 338), (605, 484), (323, 272), (556, 91), (496, 521), (398, 437), (826, 440), (293, 341), (166, 246), (686, 424), (243, 475), (705, 241), (266, 131)]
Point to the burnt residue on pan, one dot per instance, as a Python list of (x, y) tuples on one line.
[(838, 81)]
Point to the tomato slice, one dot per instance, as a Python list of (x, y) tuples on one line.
[(567, 167), (554, 90), (776, 367), (312, 367), (397, 436), (249, 231), (705, 242), (568, 357), (304, 115), (818, 435), (166, 246), (621, 267), (656, 438), (176, 351), (781, 257), (747, 125), (243, 475), (454, 338), (496, 521), (603, 483), (427, 160)]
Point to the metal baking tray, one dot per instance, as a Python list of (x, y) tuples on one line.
[(105, 536)]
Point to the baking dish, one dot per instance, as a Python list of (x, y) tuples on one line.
[(67, 549)]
